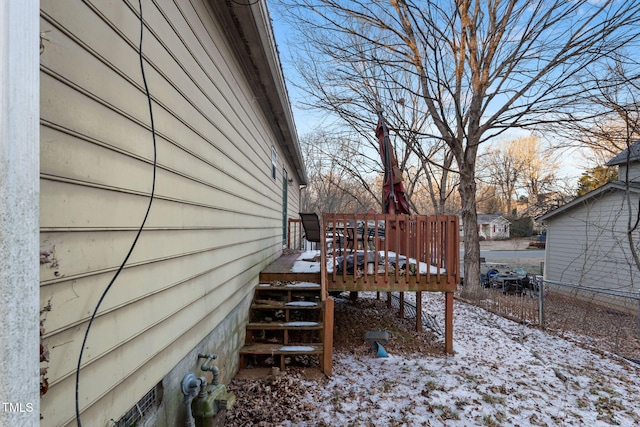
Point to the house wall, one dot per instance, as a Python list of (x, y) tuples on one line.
[(587, 246), (222, 341), (634, 172), (215, 222), (494, 230), (499, 230)]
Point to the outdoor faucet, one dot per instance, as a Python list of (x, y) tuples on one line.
[(211, 368)]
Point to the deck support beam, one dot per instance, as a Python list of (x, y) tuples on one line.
[(327, 339), (418, 311), (448, 322)]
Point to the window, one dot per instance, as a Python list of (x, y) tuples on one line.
[(274, 161)]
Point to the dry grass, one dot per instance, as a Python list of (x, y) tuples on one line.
[(353, 320), (605, 329)]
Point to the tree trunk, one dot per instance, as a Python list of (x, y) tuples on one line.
[(467, 191)]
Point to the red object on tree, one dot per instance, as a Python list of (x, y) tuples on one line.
[(393, 198)]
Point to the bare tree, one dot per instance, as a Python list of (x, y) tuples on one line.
[(439, 178), (481, 66), (504, 166), (335, 184), (606, 117), (624, 100), (488, 200), (354, 90), (522, 170), (612, 125)]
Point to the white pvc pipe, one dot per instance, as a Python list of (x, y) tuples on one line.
[(19, 213)]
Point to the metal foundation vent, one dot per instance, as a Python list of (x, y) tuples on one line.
[(146, 405)]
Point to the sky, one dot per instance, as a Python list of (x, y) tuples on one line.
[(307, 121)]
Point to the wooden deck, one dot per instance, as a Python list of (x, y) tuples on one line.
[(429, 260), (280, 270)]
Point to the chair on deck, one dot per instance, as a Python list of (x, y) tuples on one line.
[(351, 239), (375, 238), (312, 228)]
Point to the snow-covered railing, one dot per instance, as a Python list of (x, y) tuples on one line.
[(378, 252)]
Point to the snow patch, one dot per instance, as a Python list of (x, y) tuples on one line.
[(301, 304), (302, 266), (502, 373), (296, 348), (300, 324), (303, 285)]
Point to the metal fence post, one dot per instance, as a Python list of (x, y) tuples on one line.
[(541, 302)]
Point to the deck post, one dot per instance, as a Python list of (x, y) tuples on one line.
[(448, 322), (353, 296), (327, 340), (418, 311)]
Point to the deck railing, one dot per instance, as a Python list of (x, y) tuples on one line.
[(391, 252), (295, 235)]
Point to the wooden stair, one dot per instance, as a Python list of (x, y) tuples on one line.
[(286, 322)]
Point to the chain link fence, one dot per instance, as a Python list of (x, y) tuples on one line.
[(605, 319), (518, 302)]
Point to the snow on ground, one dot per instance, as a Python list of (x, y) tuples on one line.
[(502, 373)]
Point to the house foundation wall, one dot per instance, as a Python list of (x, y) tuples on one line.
[(225, 342)]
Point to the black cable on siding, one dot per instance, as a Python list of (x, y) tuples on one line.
[(126, 258)]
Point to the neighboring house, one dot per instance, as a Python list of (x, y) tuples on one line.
[(588, 244), (229, 170), (493, 226)]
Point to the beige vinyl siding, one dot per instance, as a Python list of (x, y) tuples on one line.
[(587, 245), (216, 220)]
